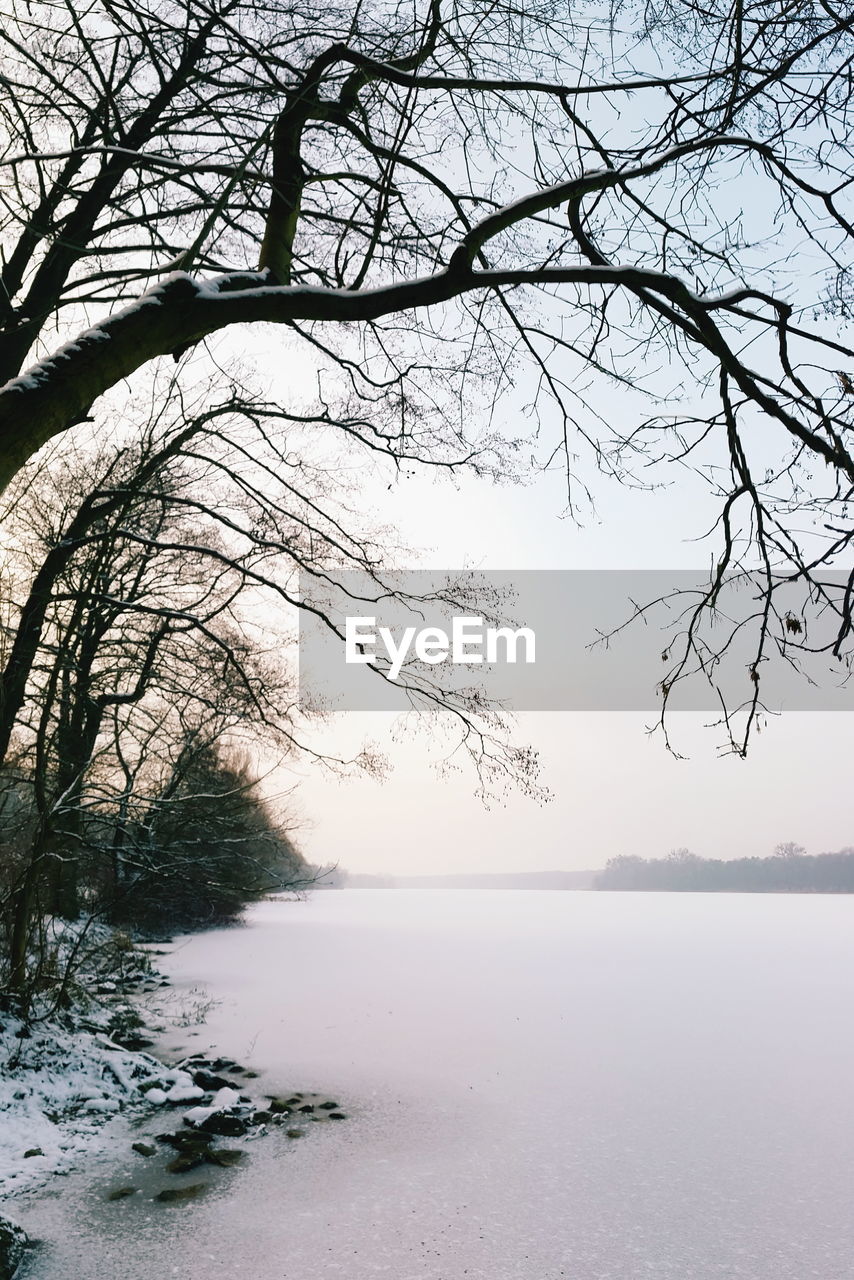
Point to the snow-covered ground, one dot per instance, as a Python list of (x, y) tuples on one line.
[(539, 1085), (64, 1077), (58, 1085)]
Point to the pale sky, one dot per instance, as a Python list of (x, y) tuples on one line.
[(615, 788)]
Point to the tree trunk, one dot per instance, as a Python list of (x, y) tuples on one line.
[(22, 917)]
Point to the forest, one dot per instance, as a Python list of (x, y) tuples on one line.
[(790, 870)]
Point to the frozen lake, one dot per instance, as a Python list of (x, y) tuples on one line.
[(540, 1084)]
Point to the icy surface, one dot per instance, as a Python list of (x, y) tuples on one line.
[(539, 1084)]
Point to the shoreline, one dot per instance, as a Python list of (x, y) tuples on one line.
[(72, 1096)]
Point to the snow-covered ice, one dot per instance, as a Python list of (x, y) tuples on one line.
[(539, 1085)]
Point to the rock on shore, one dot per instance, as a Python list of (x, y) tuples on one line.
[(13, 1242)]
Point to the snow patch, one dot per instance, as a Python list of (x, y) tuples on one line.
[(184, 1093)]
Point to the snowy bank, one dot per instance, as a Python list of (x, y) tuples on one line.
[(58, 1084), (65, 1079), (64, 1073)]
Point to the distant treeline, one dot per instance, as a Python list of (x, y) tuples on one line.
[(790, 870)]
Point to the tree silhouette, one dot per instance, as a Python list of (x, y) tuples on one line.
[(652, 196)]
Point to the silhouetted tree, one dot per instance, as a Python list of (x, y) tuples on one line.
[(208, 845), (127, 642), (655, 195)]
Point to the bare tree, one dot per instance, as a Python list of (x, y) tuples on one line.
[(131, 638), (655, 195), (207, 843), (138, 659)]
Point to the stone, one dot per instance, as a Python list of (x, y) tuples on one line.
[(224, 1125), (225, 1157), (225, 1064), (279, 1107), (121, 1193), (186, 1139), (307, 1108), (189, 1192), (180, 1094), (144, 1148), (337, 1115), (329, 1106), (208, 1081), (187, 1160), (13, 1243), (226, 1099), (294, 1133), (33, 1151)]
